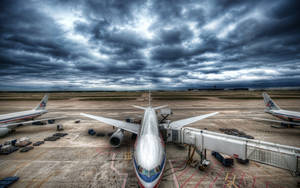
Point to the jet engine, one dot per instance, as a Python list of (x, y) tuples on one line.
[(4, 131), (116, 138)]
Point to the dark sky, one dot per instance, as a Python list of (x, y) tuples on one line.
[(138, 44)]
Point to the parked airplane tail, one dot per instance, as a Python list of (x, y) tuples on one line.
[(42, 104), (270, 104)]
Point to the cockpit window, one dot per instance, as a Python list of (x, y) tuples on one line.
[(145, 172), (152, 172), (149, 173), (157, 169)]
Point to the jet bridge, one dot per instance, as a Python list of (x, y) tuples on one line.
[(281, 156)]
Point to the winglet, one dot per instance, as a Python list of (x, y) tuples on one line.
[(42, 105)]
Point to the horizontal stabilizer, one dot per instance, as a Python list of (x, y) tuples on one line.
[(130, 127), (139, 107), (160, 107), (180, 123)]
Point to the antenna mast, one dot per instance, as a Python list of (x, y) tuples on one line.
[(149, 98)]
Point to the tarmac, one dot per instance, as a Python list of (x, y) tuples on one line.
[(81, 160)]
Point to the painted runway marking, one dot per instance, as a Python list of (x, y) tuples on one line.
[(230, 182), (212, 165), (185, 171), (45, 180), (199, 182), (180, 167), (218, 175), (188, 179), (242, 179), (75, 137), (117, 171), (254, 180), (267, 184), (105, 150), (174, 176)]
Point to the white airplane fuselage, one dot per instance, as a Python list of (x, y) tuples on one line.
[(18, 116), (149, 155), (285, 115)]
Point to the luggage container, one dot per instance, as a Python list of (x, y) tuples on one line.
[(60, 134), (22, 142), (91, 132), (6, 182), (10, 142), (245, 161), (38, 143), (59, 127), (27, 148), (7, 149), (226, 160), (52, 138)]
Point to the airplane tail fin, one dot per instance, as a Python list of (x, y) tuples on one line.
[(270, 104), (42, 105)]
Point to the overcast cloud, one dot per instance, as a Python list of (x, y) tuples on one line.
[(70, 45)]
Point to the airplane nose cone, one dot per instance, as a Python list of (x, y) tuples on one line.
[(149, 186)]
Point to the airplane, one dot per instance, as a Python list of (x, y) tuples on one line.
[(290, 118), (11, 121), (149, 154)]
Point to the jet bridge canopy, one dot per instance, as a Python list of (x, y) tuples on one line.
[(281, 156)]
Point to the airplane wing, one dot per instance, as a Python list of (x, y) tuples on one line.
[(277, 121), (14, 125), (130, 127), (180, 123)]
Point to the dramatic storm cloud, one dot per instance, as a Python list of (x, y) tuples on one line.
[(70, 45)]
